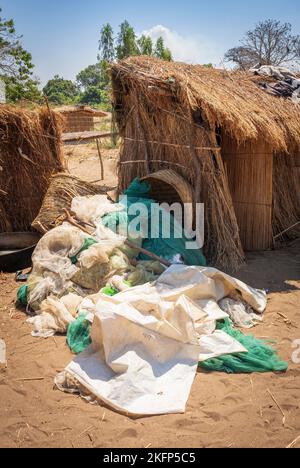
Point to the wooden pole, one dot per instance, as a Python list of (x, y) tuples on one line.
[(287, 230), (100, 159)]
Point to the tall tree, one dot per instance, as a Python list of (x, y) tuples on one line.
[(90, 76), (95, 96), (145, 45), (60, 91), (127, 42), (161, 51), (93, 83), (15, 64), (270, 43), (106, 44)]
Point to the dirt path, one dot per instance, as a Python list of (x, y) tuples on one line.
[(223, 410), (83, 161)]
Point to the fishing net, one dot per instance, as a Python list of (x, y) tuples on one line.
[(261, 357), (162, 234), (78, 335)]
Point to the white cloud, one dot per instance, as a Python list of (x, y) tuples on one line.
[(189, 49)]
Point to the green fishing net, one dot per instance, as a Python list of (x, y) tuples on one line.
[(109, 291), (78, 335), (261, 357), (153, 224), (88, 242), (22, 295)]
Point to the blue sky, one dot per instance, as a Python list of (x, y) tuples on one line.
[(63, 35)]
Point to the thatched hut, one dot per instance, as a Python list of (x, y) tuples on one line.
[(79, 118), (236, 145), (30, 153)]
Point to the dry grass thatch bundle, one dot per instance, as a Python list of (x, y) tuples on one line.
[(231, 100), (286, 197), (63, 188), (177, 116), (30, 152)]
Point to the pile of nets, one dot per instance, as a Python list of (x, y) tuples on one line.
[(158, 230), (260, 357), (69, 265)]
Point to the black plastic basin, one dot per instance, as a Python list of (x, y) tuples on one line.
[(16, 249)]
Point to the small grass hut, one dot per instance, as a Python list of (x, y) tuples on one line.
[(79, 118), (237, 146), (30, 153)]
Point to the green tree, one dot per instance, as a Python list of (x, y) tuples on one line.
[(60, 91), (106, 44), (145, 45), (27, 90), (127, 42), (90, 76), (161, 51), (15, 64), (97, 97), (94, 84)]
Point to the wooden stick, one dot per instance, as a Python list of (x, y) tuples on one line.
[(72, 221), (29, 379), (100, 159), (157, 161), (84, 136), (292, 444), (286, 230), (206, 148), (278, 406), (85, 431), (50, 113), (149, 254), (282, 315)]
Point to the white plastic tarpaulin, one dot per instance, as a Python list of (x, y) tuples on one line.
[(2, 352), (147, 341)]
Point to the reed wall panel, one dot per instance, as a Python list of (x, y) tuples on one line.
[(78, 122), (250, 175)]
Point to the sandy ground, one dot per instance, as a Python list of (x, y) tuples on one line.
[(83, 161), (222, 411)]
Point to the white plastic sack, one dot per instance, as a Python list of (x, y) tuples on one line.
[(240, 313), (147, 341)]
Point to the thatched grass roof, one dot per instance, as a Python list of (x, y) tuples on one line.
[(231, 100)]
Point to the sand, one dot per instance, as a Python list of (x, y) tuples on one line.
[(222, 411)]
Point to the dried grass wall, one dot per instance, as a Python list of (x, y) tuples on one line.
[(30, 152), (171, 116), (286, 192), (250, 175), (159, 132)]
